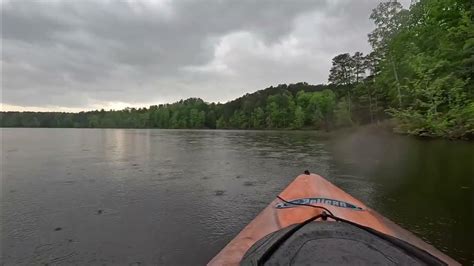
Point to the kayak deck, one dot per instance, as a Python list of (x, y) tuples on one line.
[(314, 190), (329, 243)]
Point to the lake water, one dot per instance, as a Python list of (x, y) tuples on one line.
[(176, 197)]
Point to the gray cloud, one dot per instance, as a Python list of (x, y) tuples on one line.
[(92, 53)]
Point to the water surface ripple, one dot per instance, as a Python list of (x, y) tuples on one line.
[(176, 197)]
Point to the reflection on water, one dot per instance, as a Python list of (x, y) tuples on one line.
[(92, 196)]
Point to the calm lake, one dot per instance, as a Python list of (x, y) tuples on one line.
[(176, 197)]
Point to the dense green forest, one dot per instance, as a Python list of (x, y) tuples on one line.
[(419, 74), (285, 106)]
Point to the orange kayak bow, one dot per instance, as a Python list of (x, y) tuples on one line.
[(314, 222)]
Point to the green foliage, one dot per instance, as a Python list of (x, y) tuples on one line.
[(420, 70), (299, 115), (258, 118), (388, 18), (432, 53), (287, 106), (342, 70), (343, 114)]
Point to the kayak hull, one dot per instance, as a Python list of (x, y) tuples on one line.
[(315, 190)]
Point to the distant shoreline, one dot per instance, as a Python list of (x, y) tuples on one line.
[(385, 126)]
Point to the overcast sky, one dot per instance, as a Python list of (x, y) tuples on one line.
[(87, 54)]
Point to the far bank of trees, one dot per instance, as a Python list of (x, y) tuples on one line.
[(420, 73), (294, 106)]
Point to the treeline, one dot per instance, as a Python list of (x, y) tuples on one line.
[(293, 106), (421, 69), (419, 73)]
